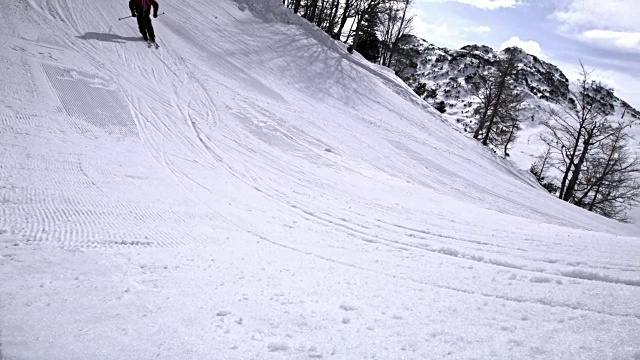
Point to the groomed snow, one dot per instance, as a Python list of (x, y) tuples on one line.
[(252, 191)]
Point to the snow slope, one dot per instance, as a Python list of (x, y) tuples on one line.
[(543, 85), (251, 191)]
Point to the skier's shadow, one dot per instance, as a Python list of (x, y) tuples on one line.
[(108, 37)]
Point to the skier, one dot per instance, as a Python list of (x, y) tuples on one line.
[(142, 10)]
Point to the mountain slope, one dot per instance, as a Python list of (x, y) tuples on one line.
[(450, 72), (251, 190)]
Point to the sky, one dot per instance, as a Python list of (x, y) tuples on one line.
[(603, 34)]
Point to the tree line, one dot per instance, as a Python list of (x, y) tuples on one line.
[(588, 161), (589, 147), (372, 27)]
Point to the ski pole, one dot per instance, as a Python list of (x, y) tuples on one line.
[(160, 14), (126, 17)]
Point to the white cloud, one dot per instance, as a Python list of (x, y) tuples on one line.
[(435, 32), (484, 4), (530, 46), (621, 39), (611, 23), (429, 31), (619, 15), (451, 33)]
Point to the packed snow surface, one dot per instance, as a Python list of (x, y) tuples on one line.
[(252, 191)]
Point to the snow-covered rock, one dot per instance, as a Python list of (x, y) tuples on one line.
[(450, 71)]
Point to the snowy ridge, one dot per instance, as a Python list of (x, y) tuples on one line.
[(252, 191), (448, 71)]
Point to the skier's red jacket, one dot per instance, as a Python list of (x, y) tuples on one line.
[(143, 7)]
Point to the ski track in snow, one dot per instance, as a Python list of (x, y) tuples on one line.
[(250, 190)]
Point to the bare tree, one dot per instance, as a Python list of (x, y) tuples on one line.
[(573, 131), (539, 170), (511, 125), (347, 8), (389, 17), (310, 10), (484, 90), (322, 14), (591, 152), (503, 90), (540, 166), (399, 27), (609, 184), (500, 102), (333, 17)]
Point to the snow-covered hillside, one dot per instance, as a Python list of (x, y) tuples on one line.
[(252, 191), (447, 77), (450, 72)]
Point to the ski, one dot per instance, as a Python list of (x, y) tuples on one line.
[(154, 44)]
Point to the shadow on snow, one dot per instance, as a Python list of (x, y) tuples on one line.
[(108, 37)]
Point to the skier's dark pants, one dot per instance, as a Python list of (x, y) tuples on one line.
[(146, 28)]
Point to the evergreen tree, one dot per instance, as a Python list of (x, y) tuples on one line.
[(441, 106), (369, 44), (431, 94), (421, 89)]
